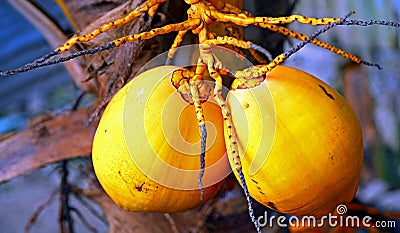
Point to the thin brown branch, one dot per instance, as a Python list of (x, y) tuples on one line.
[(95, 115), (65, 219), (39, 210), (171, 223), (86, 170), (77, 100), (88, 206), (83, 220)]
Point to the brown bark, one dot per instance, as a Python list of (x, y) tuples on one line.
[(47, 140)]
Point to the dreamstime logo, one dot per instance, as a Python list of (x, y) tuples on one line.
[(339, 220), (341, 209), (164, 119)]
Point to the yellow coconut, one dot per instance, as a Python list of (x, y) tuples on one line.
[(300, 141), (147, 146)]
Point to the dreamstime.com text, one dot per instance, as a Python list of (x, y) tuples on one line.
[(340, 220)]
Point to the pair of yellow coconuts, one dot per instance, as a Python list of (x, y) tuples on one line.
[(299, 140)]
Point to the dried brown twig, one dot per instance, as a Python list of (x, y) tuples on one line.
[(65, 219), (33, 219)]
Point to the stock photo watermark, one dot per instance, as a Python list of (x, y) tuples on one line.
[(339, 220), (175, 106)]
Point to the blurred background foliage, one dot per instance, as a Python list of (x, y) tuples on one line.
[(373, 93)]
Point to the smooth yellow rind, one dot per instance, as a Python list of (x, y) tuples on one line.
[(316, 155), (120, 176)]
